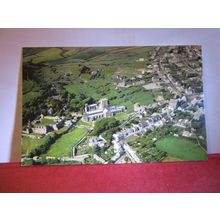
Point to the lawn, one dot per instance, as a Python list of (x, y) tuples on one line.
[(46, 121), (129, 96), (28, 144), (63, 146), (181, 148)]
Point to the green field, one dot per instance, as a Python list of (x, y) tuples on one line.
[(111, 61), (121, 116), (171, 159), (93, 88), (104, 88), (45, 55), (181, 148), (84, 75), (63, 146), (129, 96), (46, 121), (29, 144), (85, 123)]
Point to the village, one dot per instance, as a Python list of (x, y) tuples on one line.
[(179, 104)]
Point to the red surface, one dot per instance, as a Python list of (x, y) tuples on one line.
[(148, 177)]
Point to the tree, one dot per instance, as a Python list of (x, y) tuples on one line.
[(74, 105), (64, 94), (84, 69), (104, 124), (127, 159)]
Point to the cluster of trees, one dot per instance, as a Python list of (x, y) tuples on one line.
[(84, 69), (91, 160), (29, 69), (49, 140), (78, 102), (42, 149), (153, 155), (108, 156), (41, 104), (146, 147), (104, 124), (198, 124), (43, 161), (108, 134), (149, 152)]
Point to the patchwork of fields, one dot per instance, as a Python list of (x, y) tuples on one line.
[(61, 81)]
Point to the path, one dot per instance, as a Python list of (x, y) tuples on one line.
[(131, 153)]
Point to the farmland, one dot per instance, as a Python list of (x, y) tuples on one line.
[(128, 104)]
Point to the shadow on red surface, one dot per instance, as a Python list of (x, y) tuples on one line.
[(145, 177)]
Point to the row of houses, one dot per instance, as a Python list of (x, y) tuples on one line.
[(156, 120)]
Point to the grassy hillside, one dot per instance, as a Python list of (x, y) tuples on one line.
[(63, 146), (44, 55), (29, 144), (48, 72)]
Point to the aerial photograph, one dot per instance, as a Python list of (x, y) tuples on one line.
[(112, 105)]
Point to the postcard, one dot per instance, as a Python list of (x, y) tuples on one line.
[(112, 105)]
